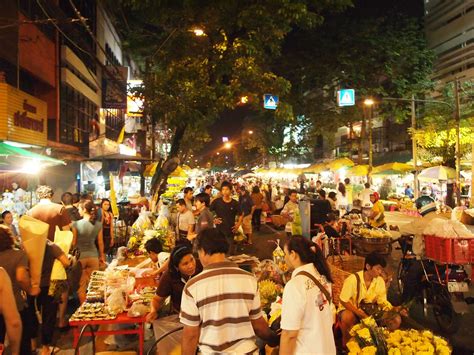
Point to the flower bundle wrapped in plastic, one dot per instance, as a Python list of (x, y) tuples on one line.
[(269, 291), (368, 339)]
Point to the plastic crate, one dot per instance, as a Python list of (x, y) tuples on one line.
[(449, 250)]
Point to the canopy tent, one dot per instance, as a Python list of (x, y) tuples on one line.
[(315, 168), (358, 170), (339, 164), (437, 173), (392, 169), (7, 152)]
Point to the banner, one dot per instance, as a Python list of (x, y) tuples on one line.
[(113, 197)]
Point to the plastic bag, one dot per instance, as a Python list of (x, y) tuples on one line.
[(240, 236), (138, 310), (116, 302)]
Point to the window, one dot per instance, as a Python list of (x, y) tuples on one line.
[(77, 112)]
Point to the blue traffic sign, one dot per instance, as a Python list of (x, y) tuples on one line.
[(346, 97), (270, 102)]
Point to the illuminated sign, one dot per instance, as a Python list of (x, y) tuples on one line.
[(23, 118)]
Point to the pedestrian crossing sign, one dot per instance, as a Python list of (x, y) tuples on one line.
[(346, 97), (270, 102)]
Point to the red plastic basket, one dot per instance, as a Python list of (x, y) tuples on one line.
[(449, 250)]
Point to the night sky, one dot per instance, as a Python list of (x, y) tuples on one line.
[(230, 123)]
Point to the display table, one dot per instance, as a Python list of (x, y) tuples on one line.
[(171, 344), (121, 319)]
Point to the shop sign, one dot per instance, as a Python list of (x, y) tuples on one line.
[(134, 101), (23, 118)]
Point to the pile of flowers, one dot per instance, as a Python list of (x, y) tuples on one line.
[(143, 230), (373, 340), (269, 292)]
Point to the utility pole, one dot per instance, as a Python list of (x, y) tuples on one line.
[(472, 169), (371, 153), (457, 116), (414, 145)]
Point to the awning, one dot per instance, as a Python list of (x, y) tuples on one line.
[(437, 173), (8, 151), (358, 170), (339, 164), (315, 168), (392, 169)]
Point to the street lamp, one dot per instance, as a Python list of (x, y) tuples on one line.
[(250, 132), (199, 32), (369, 102), (244, 100), (228, 145)]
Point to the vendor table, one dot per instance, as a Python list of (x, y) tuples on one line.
[(172, 343), (121, 319)]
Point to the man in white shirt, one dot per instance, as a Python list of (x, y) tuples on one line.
[(184, 221), (364, 195), (289, 210)]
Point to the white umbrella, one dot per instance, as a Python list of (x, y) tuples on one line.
[(437, 173)]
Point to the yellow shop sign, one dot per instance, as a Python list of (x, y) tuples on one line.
[(23, 118)]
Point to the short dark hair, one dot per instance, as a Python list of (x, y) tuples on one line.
[(76, 197), (187, 189), (331, 217), (4, 213), (322, 193), (367, 185), (178, 253), (203, 198), (332, 195), (347, 181), (212, 241), (44, 192), (319, 182), (375, 259), (153, 245), (66, 198), (292, 192), (255, 190), (227, 184), (181, 202), (208, 187)]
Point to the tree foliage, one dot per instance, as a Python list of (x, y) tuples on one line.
[(384, 56), (189, 80), (437, 133)]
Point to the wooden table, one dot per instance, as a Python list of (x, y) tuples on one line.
[(121, 319)]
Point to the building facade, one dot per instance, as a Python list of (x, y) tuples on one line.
[(449, 28), (68, 82)]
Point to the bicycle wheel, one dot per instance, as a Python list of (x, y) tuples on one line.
[(446, 317), (401, 273)]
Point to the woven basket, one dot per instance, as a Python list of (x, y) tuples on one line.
[(341, 268)]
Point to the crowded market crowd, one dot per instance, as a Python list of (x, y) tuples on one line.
[(218, 302)]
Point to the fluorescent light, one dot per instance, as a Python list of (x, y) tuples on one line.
[(21, 145)]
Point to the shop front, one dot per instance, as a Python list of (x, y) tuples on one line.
[(23, 118)]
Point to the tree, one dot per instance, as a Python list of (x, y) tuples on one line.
[(189, 80), (381, 56), (437, 135)]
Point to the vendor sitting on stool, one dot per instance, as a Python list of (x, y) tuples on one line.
[(363, 293)]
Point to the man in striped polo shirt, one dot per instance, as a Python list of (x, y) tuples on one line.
[(220, 307)]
